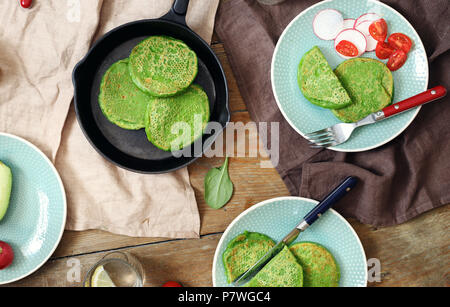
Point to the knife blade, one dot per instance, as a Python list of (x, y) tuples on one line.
[(331, 199)]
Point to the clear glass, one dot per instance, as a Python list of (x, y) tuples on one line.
[(123, 269)]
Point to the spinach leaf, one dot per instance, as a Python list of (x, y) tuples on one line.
[(218, 186)]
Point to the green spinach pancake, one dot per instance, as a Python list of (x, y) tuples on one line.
[(370, 86), (319, 267), (120, 100), (163, 66), (283, 270), (177, 121), (243, 251), (318, 83)]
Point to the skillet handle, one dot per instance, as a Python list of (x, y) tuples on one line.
[(178, 12)]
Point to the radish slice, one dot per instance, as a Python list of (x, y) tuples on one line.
[(353, 36), (366, 17), (349, 23), (363, 27), (327, 24)]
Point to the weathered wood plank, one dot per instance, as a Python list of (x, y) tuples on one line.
[(415, 253), (185, 261), (412, 254)]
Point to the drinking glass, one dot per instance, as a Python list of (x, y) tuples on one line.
[(116, 269)]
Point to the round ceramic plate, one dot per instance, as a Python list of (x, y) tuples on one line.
[(277, 217), (35, 220), (305, 117)]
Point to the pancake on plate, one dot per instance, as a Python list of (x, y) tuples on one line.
[(319, 266), (175, 122), (370, 85), (283, 270), (243, 251), (318, 83), (163, 66), (120, 100)]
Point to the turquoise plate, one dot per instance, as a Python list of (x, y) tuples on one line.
[(35, 220), (305, 117), (277, 217)]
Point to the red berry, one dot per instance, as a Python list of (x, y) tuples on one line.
[(25, 3), (6, 255), (172, 284)]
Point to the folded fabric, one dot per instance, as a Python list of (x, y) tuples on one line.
[(399, 180), (39, 48)]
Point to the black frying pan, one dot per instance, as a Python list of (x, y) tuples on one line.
[(131, 149)]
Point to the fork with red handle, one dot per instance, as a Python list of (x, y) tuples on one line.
[(340, 133)]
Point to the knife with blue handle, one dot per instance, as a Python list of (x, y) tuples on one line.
[(331, 199)]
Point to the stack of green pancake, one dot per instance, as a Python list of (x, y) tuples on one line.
[(369, 84), (153, 89), (243, 251), (356, 88), (304, 264)]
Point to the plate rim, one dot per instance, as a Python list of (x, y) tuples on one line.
[(417, 109), (64, 196), (281, 198)]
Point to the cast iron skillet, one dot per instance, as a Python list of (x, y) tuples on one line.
[(127, 148)]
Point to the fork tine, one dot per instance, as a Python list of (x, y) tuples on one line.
[(315, 138), (325, 144), (322, 138), (318, 132)]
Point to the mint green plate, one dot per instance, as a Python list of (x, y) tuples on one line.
[(305, 117), (277, 217), (35, 220)]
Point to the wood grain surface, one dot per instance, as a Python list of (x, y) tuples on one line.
[(416, 253)]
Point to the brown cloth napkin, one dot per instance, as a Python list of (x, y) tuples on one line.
[(399, 180), (39, 48)]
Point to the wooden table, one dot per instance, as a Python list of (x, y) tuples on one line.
[(412, 254)]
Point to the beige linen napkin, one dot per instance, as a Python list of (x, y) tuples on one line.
[(38, 50)]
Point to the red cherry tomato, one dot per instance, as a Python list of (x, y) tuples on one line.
[(6, 255), (400, 41), (25, 3), (378, 30), (172, 284), (396, 60), (347, 48), (384, 50)]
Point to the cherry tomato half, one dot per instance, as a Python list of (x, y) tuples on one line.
[(400, 41), (6, 255), (347, 48), (378, 30), (172, 284), (396, 60), (384, 50)]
